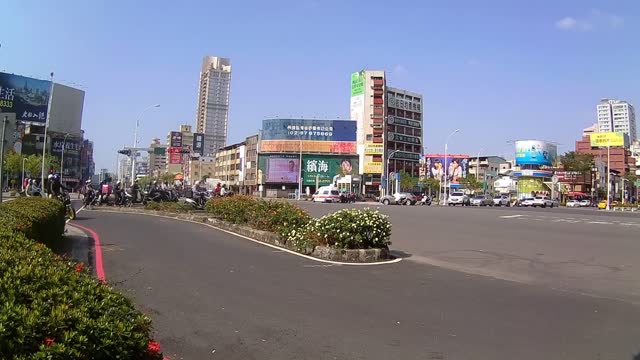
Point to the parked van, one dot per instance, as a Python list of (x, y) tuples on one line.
[(326, 194)]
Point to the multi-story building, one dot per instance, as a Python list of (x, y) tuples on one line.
[(490, 167), (201, 166), (157, 157), (180, 145), (229, 165), (87, 165), (251, 164), (389, 128), (620, 157), (617, 116), (213, 102)]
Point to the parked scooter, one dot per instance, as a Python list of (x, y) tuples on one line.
[(426, 200)]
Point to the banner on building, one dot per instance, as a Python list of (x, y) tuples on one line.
[(357, 83), (535, 152), (293, 146), (176, 139), (454, 168), (373, 167), (28, 98), (279, 168), (198, 143), (605, 139), (373, 149), (309, 130), (323, 168), (175, 156)]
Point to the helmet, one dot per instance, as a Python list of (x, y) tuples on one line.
[(154, 182), (87, 182), (119, 182), (50, 176), (197, 183)]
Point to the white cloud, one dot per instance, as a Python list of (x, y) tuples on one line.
[(595, 19)]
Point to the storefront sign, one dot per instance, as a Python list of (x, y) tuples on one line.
[(373, 167), (374, 149)]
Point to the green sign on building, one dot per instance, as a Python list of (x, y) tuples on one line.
[(324, 168), (357, 83)]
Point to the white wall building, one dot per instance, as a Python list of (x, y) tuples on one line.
[(617, 115), (213, 102)]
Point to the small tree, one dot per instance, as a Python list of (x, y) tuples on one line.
[(12, 165), (407, 182), (576, 162), (432, 184), (471, 183)]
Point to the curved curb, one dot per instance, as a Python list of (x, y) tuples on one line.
[(394, 261)]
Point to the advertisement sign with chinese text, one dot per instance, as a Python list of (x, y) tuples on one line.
[(279, 168), (605, 139), (357, 83), (72, 149), (324, 168), (454, 168), (535, 152), (176, 139), (28, 98), (308, 129), (175, 156), (373, 167), (373, 149), (198, 143)]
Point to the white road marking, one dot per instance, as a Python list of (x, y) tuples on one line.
[(600, 222), (511, 216)]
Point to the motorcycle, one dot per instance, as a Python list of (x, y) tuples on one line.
[(426, 200), (70, 212), (198, 200)]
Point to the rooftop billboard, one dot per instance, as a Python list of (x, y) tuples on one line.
[(315, 136), (535, 152), (28, 98), (605, 139), (454, 168)]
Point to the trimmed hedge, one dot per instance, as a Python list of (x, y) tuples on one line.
[(169, 206), (50, 306)]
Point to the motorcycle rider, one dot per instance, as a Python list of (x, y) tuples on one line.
[(89, 193), (57, 186), (154, 192), (135, 190), (118, 192)]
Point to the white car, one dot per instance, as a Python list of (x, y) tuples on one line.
[(585, 203), (542, 201), (501, 200), (573, 203), (526, 202), (458, 198)]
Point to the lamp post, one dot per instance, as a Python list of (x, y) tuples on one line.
[(64, 144), (446, 169), (300, 172), (386, 188), (478, 164), (23, 160), (46, 129), (608, 174), (4, 125), (135, 142)]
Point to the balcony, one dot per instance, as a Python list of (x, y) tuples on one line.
[(378, 101)]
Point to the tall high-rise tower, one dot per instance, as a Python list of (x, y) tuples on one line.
[(617, 115), (213, 102)]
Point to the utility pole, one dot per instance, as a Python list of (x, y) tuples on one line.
[(46, 129), (4, 126)]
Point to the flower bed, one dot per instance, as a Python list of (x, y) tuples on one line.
[(169, 206), (52, 308)]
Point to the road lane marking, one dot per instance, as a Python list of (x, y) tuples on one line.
[(396, 260), (600, 222), (511, 216), (98, 250)]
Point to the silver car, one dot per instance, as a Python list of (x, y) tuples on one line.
[(482, 200)]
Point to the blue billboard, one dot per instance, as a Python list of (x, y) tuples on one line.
[(28, 98), (535, 152), (309, 129)]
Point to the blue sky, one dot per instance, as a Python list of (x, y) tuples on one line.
[(498, 70)]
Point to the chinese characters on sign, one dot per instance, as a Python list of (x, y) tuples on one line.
[(293, 146), (310, 130), (176, 139), (323, 168), (198, 143), (26, 97)]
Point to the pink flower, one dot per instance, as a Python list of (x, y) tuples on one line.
[(153, 346)]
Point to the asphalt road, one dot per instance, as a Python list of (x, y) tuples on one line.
[(216, 296), (578, 250)]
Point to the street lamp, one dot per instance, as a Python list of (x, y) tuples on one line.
[(23, 160), (478, 164), (608, 174), (64, 144), (446, 169), (135, 142), (386, 188), (4, 125), (46, 129), (300, 172)]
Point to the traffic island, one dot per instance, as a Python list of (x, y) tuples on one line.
[(347, 236)]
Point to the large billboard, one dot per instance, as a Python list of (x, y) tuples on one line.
[(454, 168), (198, 143), (28, 98), (535, 152), (307, 129), (357, 83), (317, 136), (324, 168), (279, 168), (605, 139), (176, 139)]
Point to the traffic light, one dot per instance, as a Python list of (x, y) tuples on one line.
[(126, 152)]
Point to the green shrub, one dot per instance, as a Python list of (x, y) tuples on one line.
[(280, 217), (50, 306), (169, 207), (235, 209), (38, 218), (345, 229)]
